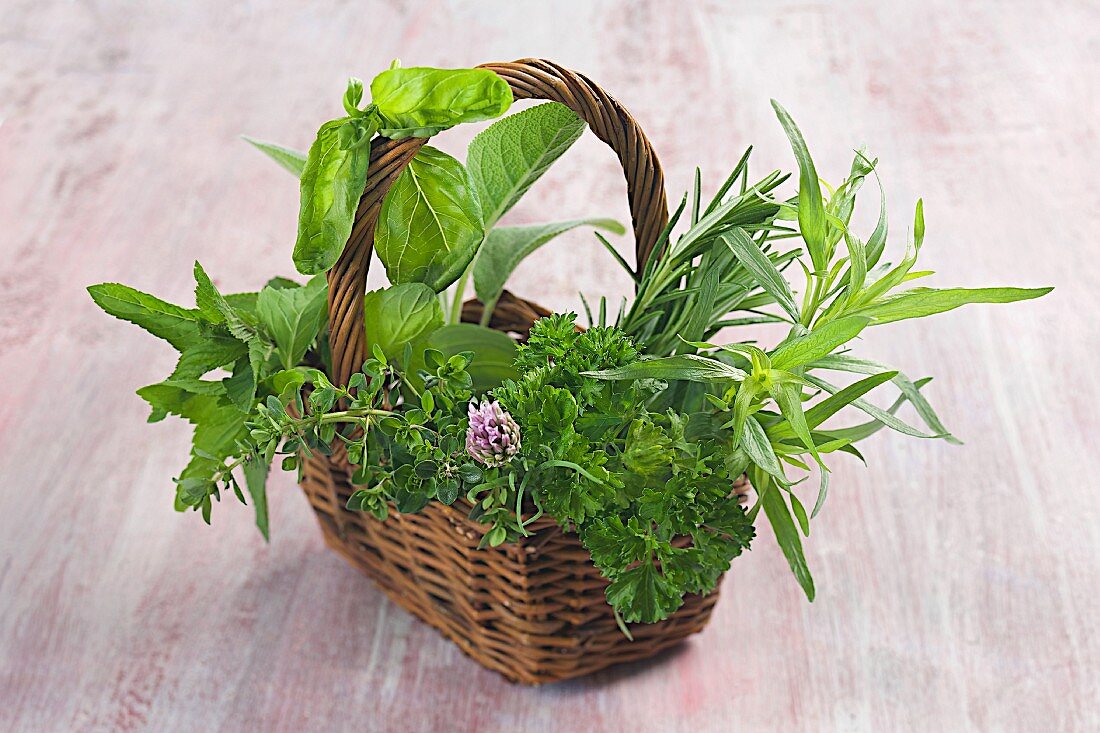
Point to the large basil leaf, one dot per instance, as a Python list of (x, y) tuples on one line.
[(331, 185), (511, 154), (419, 101), (292, 160), (293, 317), (400, 314), (430, 224), (506, 247)]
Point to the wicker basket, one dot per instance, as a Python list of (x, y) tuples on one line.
[(535, 610)]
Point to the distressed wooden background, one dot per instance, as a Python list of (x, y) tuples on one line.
[(957, 586)]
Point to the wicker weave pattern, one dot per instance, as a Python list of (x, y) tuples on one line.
[(535, 610)]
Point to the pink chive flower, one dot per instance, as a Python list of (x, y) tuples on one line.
[(493, 436)]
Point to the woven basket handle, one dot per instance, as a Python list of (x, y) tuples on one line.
[(529, 79)]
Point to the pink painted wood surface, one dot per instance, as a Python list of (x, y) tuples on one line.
[(957, 586)]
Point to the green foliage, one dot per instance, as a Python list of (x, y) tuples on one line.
[(430, 225), (420, 102), (631, 433), (292, 160), (399, 315), (331, 184), (294, 317), (506, 247), (510, 155)]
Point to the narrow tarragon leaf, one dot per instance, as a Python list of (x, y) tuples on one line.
[(846, 363), (292, 160), (921, 302), (878, 413), (759, 449), (786, 534), (688, 367), (430, 224), (178, 326), (811, 211), (818, 342), (828, 407), (763, 270), (511, 154)]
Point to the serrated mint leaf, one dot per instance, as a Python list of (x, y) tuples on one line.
[(178, 326), (430, 224), (293, 317), (510, 155), (255, 477)]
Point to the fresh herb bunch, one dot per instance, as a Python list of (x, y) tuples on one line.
[(631, 433)]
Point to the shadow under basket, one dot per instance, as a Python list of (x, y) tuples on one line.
[(532, 610)]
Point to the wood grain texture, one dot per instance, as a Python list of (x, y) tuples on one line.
[(956, 586)]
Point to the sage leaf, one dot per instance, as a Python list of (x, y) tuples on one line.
[(505, 247), (430, 224), (505, 159), (294, 317), (763, 270), (331, 186), (688, 367), (292, 160), (178, 326), (921, 302), (399, 315), (421, 101)]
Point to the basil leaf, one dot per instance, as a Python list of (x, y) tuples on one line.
[(921, 302), (511, 154), (400, 314), (430, 224), (331, 185), (178, 326), (506, 247), (294, 317), (292, 160), (420, 101)]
